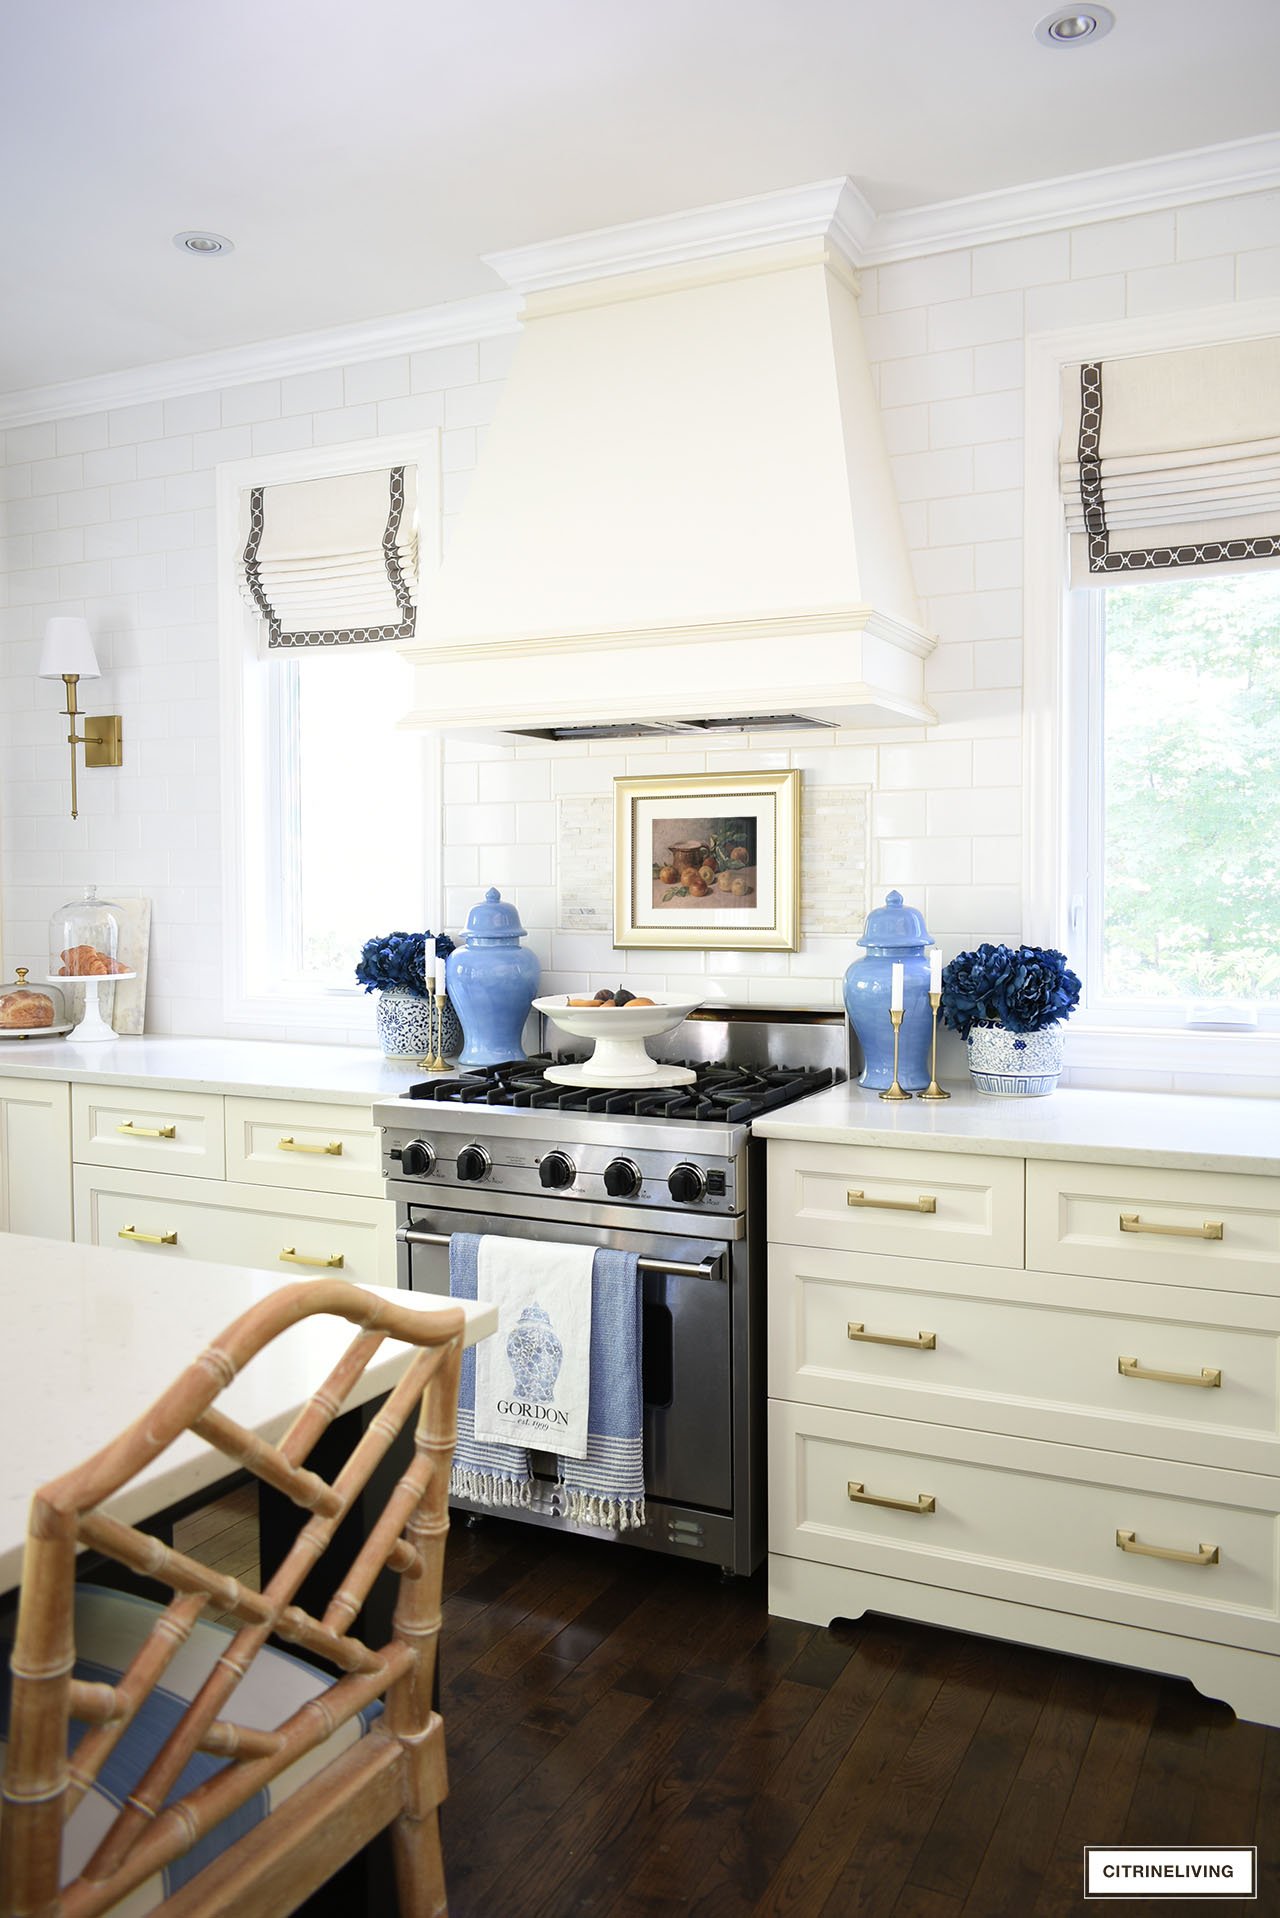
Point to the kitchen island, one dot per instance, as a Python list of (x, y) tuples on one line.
[(1024, 1374)]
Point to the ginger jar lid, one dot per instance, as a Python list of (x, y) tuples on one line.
[(494, 919), (894, 924)]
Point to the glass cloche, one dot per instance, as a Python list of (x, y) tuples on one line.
[(84, 939), (28, 1009)]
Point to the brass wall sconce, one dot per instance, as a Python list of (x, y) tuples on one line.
[(68, 655)]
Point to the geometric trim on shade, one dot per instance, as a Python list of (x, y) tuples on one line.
[(401, 589), (1102, 557)]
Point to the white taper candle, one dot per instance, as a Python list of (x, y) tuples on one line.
[(439, 978), (935, 970), (895, 1001)]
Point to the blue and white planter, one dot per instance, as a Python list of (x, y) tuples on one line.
[(407, 1025), (1015, 1065)]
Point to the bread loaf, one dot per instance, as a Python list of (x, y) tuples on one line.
[(21, 1010)]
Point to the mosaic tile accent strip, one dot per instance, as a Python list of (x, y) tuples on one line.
[(835, 860), (584, 862)]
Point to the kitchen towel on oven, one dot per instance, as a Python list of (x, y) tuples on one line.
[(607, 1486), (532, 1376)]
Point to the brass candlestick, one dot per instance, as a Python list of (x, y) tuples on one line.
[(895, 1091), (438, 1062), (933, 1090)]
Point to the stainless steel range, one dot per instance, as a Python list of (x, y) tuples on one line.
[(671, 1174)]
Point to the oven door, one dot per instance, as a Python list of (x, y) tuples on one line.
[(687, 1362)]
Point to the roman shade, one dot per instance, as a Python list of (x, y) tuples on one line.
[(333, 562), (1171, 462)]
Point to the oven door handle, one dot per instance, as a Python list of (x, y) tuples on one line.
[(708, 1269)]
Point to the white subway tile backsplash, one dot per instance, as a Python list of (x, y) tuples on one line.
[(442, 367), (929, 376), (1011, 264), (997, 563), (415, 414), (1120, 246), (941, 276), (927, 475), (471, 405), (312, 392), (998, 368), (968, 422), (246, 405), (959, 323), (132, 423), (1075, 302), (928, 765), (346, 423), (1165, 289), (84, 434), (35, 442), (1258, 274), (193, 413), (1234, 225)]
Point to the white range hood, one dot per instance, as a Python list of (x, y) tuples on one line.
[(683, 515)]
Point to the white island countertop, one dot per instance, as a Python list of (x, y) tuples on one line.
[(93, 1335), (254, 1068), (1198, 1132)]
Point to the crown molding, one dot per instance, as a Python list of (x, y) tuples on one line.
[(1077, 199), (833, 210), (455, 322)]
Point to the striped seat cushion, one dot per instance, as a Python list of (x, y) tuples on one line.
[(110, 1627)]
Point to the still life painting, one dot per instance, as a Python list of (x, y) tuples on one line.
[(706, 860)]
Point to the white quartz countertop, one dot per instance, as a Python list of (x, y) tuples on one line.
[(94, 1335), (257, 1068), (1202, 1133)]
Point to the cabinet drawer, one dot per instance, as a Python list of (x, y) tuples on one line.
[(932, 1205), (181, 1219), (1019, 1520), (1162, 1227), (1017, 1352), (309, 1148), (147, 1128)]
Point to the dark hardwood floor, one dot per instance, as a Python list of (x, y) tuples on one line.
[(629, 1738)]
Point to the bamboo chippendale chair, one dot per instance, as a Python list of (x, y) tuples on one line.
[(392, 1776)]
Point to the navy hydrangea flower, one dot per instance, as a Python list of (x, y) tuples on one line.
[(400, 959), (1023, 989)]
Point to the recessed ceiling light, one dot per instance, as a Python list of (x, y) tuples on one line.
[(1074, 29), (206, 246)]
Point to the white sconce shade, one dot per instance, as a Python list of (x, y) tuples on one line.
[(68, 648)]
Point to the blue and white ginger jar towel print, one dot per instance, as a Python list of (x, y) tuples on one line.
[(533, 1378), (604, 1483)]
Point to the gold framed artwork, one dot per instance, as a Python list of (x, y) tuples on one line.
[(707, 860)]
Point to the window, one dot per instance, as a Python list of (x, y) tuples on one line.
[(330, 807), (1175, 786)]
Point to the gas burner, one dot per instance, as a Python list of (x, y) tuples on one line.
[(726, 1095)]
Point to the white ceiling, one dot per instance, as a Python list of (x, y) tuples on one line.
[(363, 157)]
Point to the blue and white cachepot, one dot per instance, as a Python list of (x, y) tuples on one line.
[(1015, 1065), (407, 1025), (492, 981), (894, 933)]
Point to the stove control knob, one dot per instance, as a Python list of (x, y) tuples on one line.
[(622, 1179), (557, 1170), (473, 1162), (418, 1159), (687, 1184)]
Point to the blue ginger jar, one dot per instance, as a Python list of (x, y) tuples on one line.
[(535, 1356), (492, 981), (894, 933)]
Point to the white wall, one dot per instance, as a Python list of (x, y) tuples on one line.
[(112, 515)]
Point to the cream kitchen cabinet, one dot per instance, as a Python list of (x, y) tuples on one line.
[(35, 1157), (1034, 1398)]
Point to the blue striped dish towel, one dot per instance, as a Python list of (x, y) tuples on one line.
[(605, 1488)]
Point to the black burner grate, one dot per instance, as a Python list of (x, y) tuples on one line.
[(730, 1094)]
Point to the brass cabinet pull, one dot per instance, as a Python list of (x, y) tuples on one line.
[(148, 1131), (1211, 1229), (333, 1150), (292, 1256), (147, 1238), (925, 1203), (1128, 1542), (922, 1342), (1209, 1375), (925, 1502)]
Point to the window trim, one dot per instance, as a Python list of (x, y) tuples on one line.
[(1105, 1045), (337, 1011)]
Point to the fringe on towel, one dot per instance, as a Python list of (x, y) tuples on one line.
[(489, 1488), (618, 1514)]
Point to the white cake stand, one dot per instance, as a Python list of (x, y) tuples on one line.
[(620, 1058), (92, 1025)]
